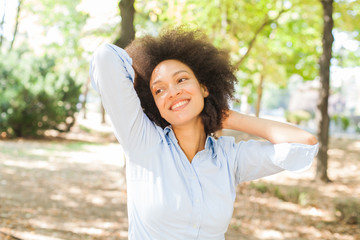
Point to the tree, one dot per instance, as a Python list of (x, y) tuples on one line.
[(322, 111), (40, 80)]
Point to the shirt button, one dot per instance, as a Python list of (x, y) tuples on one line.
[(197, 200), (194, 226)]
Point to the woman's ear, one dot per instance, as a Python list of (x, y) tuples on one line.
[(204, 91)]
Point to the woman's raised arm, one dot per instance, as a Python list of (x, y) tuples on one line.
[(273, 131), (112, 76)]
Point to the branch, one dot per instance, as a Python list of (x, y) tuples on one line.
[(16, 25), (266, 22), (2, 25)]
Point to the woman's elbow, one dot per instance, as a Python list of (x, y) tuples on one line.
[(311, 140)]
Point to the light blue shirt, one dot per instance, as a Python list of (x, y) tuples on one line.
[(169, 197)]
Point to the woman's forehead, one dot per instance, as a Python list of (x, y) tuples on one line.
[(169, 68)]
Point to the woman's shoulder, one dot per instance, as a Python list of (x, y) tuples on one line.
[(231, 143), (224, 143)]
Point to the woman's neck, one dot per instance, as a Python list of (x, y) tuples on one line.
[(191, 138)]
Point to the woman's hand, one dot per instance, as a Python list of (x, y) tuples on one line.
[(275, 132)]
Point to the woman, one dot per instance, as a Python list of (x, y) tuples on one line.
[(181, 180)]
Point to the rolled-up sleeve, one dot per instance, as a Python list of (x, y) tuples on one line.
[(112, 76), (256, 159)]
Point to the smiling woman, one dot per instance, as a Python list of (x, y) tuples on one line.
[(165, 103), (208, 65), (178, 95)]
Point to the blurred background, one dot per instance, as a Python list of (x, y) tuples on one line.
[(61, 169)]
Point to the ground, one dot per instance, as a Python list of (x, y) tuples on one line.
[(73, 187)]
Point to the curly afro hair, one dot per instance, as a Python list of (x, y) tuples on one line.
[(210, 65)]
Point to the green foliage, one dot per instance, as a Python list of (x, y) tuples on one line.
[(357, 127), (260, 187), (297, 117), (348, 210), (287, 34), (342, 120), (35, 96), (40, 80)]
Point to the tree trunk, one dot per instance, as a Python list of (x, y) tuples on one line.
[(259, 95), (103, 119), (127, 12), (86, 91), (16, 25), (322, 110)]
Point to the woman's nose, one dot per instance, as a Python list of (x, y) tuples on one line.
[(175, 90)]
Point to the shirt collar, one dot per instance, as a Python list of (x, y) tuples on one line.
[(170, 133), (210, 143)]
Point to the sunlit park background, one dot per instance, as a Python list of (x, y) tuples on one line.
[(62, 170)]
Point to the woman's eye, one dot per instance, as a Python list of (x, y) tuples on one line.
[(157, 91), (181, 80)]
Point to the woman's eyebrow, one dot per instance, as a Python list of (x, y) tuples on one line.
[(174, 74), (180, 71), (155, 82)]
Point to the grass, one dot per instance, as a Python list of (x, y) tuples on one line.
[(348, 210), (43, 150), (293, 194)]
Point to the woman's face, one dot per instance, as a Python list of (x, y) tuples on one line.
[(177, 93)]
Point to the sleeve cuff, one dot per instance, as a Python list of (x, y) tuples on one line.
[(295, 157)]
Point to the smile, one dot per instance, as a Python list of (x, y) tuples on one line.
[(179, 105)]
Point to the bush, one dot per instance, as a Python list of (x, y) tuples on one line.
[(35, 96)]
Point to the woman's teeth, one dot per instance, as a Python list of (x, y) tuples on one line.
[(179, 104)]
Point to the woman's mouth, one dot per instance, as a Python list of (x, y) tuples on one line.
[(179, 105)]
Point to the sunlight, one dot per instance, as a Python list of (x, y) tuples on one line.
[(355, 146), (291, 207), (96, 200), (38, 151), (268, 234), (31, 164), (33, 236), (44, 223), (75, 190), (66, 201), (315, 212), (336, 152), (312, 231), (90, 230), (75, 227)]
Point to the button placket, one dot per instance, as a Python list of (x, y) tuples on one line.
[(197, 201)]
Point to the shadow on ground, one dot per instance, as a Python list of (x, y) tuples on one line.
[(72, 190)]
